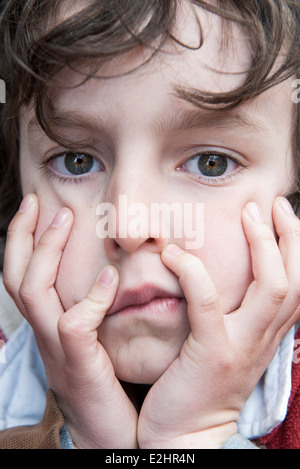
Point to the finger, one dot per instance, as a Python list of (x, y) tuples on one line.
[(77, 328), (37, 291), (269, 289), (19, 247), (203, 303), (287, 227)]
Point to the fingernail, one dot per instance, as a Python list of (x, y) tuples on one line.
[(106, 277), (254, 212), (25, 204), (285, 205), (60, 218), (174, 249)]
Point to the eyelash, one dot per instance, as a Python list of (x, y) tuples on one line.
[(58, 178), (217, 180), (63, 180)]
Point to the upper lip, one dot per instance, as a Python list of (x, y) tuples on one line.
[(139, 296)]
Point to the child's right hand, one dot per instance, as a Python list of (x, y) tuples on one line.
[(97, 411)]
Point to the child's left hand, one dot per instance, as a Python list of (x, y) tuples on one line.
[(196, 403)]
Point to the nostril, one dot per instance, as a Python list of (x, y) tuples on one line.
[(150, 240)]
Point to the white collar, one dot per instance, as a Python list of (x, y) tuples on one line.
[(267, 406)]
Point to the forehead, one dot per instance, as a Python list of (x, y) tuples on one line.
[(144, 92), (209, 53)]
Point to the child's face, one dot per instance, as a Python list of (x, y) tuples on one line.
[(133, 126)]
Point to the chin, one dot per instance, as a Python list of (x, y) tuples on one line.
[(146, 365), (148, 375)]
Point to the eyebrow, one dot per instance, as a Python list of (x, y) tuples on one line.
[(93, 128), (196, 118), (87, 127)]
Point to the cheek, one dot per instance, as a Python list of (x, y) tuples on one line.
[(226, 256), (83, 256)]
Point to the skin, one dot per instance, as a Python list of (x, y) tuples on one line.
[(238, 285)]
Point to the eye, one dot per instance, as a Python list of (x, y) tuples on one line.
[(75, 164), (210, 165)]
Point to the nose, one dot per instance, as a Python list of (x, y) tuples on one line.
[(128, 223)]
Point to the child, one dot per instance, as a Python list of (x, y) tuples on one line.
[(152, 336)]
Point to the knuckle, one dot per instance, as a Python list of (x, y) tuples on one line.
[(93, 304), (225, 363), (45, 242), (9, 283), (210, 301), (27, 294), (266, 236), (279, 292), (68, 326)]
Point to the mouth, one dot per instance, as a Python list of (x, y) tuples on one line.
[(147, 299)]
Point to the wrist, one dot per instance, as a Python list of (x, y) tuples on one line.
[(89, 441), (210, 438)]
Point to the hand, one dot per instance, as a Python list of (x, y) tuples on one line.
[(96, 409), (197, 401)]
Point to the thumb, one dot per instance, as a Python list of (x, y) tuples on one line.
[(77, 327)]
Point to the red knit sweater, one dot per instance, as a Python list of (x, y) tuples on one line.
[(287, 434)]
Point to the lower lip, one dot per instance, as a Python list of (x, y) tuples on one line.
[(158, 306)]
